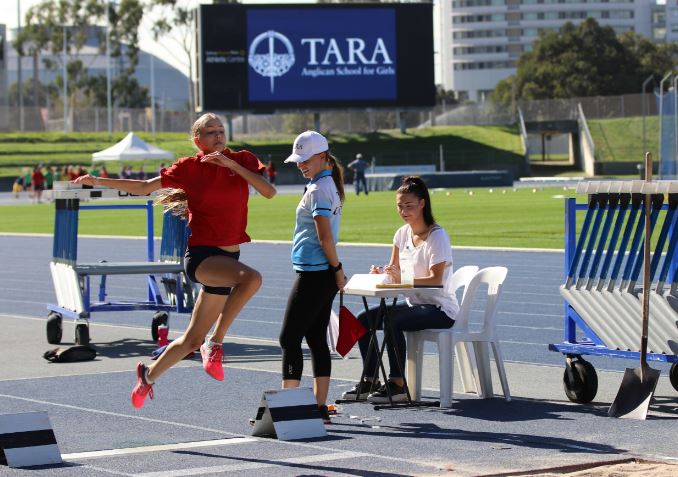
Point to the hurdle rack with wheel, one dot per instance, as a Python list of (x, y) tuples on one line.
[(603, 299), (72, 280)]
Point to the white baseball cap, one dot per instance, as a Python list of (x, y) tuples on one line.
[(306, 145)]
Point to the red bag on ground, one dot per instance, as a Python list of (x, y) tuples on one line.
[(350, 329)]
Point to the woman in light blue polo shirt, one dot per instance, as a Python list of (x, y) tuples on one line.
[(314, 258)]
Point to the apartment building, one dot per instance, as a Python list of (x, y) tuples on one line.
[(481, 40)]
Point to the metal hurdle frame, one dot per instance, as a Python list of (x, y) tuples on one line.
[(72, 280), (614, 302)]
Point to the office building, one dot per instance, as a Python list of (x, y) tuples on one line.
[(481, 40)]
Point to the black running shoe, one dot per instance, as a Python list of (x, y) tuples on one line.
[(381, 395), (325, 414), (362, 389)]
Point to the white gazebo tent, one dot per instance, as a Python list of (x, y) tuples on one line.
[(131, 148)]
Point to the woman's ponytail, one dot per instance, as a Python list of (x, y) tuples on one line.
[(173, 201), (337, 175)]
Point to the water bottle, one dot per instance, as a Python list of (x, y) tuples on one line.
[(163, 332), (406, 267)]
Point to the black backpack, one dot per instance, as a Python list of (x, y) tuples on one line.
[(70, 355)]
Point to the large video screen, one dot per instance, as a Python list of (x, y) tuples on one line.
[(300, 57)]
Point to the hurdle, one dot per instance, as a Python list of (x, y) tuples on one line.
[(72, 279), (603, 300)]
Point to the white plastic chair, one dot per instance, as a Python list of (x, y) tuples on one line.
[(447, 339), (465, 358)]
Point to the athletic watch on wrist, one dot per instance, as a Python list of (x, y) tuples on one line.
[(335, 269)]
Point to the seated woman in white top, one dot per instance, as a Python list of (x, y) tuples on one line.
[(427, 245)]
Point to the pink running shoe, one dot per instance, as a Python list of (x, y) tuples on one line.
[(142, 388), (211, 361)]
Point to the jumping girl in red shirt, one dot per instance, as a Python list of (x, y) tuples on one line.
[(212, 188)]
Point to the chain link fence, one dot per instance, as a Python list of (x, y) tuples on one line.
[(84, 119), (596, 107)]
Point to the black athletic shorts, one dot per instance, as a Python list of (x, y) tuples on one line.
[(194, 257)]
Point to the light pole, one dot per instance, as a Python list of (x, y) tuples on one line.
[(109, 115), (18, 70), (65, 73), (661, 111), (644, 106), (152, 95), (671, 171)]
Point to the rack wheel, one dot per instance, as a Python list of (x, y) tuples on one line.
[(54, 328), (673, 376), (580, 381), (160, 318), (82, 334)]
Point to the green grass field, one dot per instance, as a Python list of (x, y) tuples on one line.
[(622, 139), (463, 145), (502, 218)]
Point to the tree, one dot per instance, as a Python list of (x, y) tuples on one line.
[(178, 24), (48, 22), (124, 20), (447, 96), (654, 58), (34, 95), (584, 60)]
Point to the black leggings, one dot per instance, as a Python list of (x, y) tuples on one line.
[(307, 316)]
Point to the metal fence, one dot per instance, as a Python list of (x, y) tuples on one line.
[(353, 121), (596, 107)]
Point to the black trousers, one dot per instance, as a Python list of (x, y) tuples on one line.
[(307, 316)]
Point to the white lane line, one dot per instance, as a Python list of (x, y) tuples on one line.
[(137, 328), (289, 242), (328, 453), (532, 303), (28, 302), (277, 323), (545, 328), (223, 469), (516, 313), (516, 292), (155, 448), (107, 471), (115, 289), (255, 339), (279, 309), (120, 414)]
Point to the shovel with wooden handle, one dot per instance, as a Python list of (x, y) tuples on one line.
[(638, 385)]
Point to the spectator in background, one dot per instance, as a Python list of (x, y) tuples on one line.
[(141, 175), (49, 178), (27, 178), (358, 167), (271, 172), (63, 174), (162, 166), (104, 172), (18, 186), (38, 181)]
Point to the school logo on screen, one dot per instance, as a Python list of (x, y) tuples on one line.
[(264, 59)]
